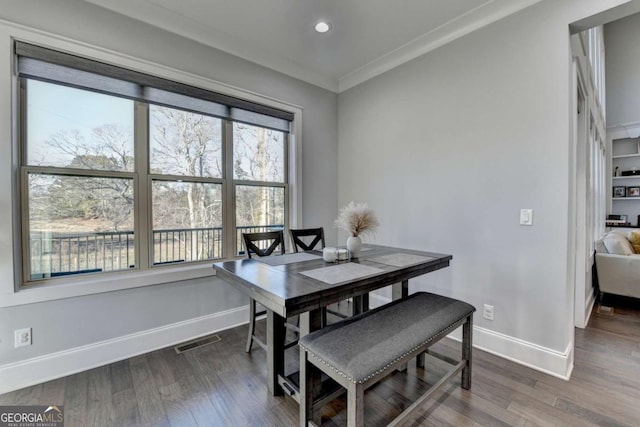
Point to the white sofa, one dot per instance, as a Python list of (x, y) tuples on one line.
[(617, 264)]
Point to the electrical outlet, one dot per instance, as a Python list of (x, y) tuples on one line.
[(488, 312), (22, 337)]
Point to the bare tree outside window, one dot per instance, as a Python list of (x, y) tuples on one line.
[(186, 215), (69, 127), (79, 223), (259, 156), (184, 143), (83, 182)]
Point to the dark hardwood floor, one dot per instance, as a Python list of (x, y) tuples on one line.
[(221, 385)]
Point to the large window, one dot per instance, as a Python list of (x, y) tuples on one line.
[(115, 177), (596, 58)]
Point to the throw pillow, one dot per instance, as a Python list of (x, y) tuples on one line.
[(617, 244), (600, 247), (634, 237)]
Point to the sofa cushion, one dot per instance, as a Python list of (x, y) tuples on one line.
[(634, 238), (600, 248), (617, 244)]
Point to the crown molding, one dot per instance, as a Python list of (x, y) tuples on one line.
[(483, 15), (165, 19)]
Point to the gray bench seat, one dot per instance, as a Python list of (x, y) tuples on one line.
[(359, 351)]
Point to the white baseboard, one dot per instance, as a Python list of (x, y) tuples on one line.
[(14, 376), (543, 359), (558, 364), (591, 300)]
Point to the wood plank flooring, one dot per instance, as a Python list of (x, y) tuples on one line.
[(221, 385)]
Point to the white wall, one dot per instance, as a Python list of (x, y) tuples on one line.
[(622, 45), (71, 334), (472, 132), (449, 147)]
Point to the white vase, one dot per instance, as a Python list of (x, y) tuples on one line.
[(354, 244)]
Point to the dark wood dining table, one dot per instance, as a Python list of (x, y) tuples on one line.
[(303, 283)]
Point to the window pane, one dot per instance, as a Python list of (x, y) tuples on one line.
[(258, 209), (258, 153), (75, 128), (184, 143), (79, 225), (187, 221)]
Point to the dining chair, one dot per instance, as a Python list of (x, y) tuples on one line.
[(263, 244), (313, 236), (316, 235)]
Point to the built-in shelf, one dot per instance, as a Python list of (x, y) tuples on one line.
[(624, 156), (626, 177)]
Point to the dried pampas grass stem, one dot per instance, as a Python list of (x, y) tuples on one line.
[(357, 219)]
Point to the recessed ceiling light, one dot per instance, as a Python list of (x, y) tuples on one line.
[(323, 27)]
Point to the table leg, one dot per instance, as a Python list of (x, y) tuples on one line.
[(357, 304), (400, 290), (275, 351), (360, 304), (311, 321)]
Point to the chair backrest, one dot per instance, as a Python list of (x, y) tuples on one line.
[(271, 238), (298, 243)]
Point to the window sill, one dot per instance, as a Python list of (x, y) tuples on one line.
[(95, 284)]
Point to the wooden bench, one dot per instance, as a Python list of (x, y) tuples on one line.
[(361, 350)]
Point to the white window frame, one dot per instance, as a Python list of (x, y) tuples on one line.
[(596, 140), (11, 291)]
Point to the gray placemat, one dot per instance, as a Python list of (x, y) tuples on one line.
[(341, 272), (400, 259), (288, 258)]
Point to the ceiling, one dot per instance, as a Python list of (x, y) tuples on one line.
[(367, 38)]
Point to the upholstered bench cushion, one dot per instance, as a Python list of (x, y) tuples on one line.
[(366, 345)]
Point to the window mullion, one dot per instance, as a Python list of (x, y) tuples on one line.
[(142, 214), (228, 193), (287, 191), (25, 244), (183, 178), (260, 183), (91, 173)]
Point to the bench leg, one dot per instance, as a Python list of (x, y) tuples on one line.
[(400, 291), (420, 360), (467, 349), (309, 387), (306, 395), (355, 405)]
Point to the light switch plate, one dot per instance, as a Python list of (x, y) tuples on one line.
[(526, 216)]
